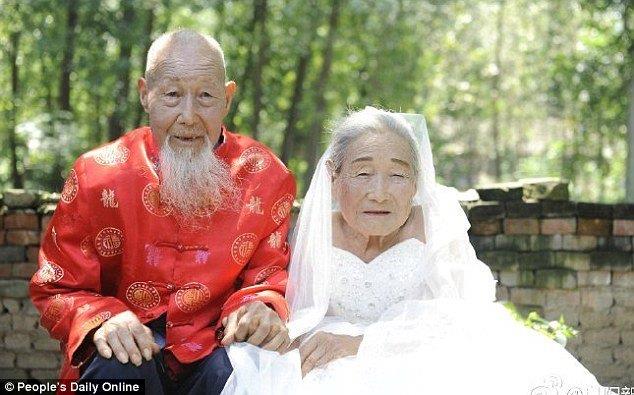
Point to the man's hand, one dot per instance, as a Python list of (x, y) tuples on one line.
[(324, 347), (126, 337), (258, 324)]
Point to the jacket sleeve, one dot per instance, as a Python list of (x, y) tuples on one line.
[(264, 277), (66, 289)]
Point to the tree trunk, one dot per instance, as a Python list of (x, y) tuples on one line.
[(293, 111), (262, 59), (246, 72), (16, 177), (629, 190), (67, 60), (495, 132), (149, 27), (116, 122), (315, 132)]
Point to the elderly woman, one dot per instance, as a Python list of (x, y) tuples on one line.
[(386, 292)]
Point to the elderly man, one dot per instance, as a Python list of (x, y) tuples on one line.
[(169, 242)]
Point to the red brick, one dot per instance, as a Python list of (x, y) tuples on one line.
[(23, 237), (45, 220), (594, 227), (521, 226), (24, 269), (623, 227), (2, 233), (22, 220), (5, 270), (32, 253), (558, 226), (486, 227), (1, 221)]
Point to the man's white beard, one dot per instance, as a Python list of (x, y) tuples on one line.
[(195, 179)]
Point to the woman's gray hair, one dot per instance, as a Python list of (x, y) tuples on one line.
[(370, 119)]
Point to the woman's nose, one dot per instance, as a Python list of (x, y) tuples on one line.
[(378, 189)]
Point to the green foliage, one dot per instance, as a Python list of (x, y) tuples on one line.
[(557, 330), (511, 89)]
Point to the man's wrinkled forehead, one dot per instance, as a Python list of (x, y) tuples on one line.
[(177, 67), (178, 57)]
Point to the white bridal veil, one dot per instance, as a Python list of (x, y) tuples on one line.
[(446, 226)]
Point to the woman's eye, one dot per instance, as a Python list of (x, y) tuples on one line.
[(398, 175), (206, 95), (171, 94), (363, 174)]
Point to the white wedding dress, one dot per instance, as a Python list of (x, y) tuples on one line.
[(426, 311), (417, 345), (415, 342)]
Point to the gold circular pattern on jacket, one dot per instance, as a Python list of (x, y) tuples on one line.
[(109, 242), (96, 320), (242, 248), (192, 297), (112, 155), (55, 308), (282, 208), (255, 159), (151, 198), (49, 272), (265, 273), (71, 186), (143, 295)]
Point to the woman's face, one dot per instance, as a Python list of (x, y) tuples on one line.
[(376, 184)]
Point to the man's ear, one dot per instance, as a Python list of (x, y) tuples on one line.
[(143, 92), (230, 90)]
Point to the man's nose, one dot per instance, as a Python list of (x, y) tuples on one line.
[(188, 111)]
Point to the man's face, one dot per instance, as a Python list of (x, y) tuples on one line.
[(186, 99)]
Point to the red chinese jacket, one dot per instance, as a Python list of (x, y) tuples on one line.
[(113, 246)]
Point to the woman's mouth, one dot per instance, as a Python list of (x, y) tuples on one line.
[(377, 212)]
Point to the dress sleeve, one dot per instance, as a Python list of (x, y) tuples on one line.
[(457, 270), (457, 273), (66, 289), (264, 277)]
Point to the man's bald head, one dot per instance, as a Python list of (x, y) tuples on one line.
[(184, 46), (184, 90)]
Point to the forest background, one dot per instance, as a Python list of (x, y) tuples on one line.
[(510, 88)]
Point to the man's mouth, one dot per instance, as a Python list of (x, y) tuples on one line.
[(188, 139)]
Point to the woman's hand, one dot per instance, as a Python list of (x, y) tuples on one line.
[(324, 347)]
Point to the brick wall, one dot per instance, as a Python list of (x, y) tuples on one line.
[(548, 253), (26, 350), (558, 257)]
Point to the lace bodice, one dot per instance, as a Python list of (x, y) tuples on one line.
[(363, 291)]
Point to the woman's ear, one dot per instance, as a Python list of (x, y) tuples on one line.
[(330, 166)]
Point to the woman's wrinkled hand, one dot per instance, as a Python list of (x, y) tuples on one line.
[(324, 347)]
